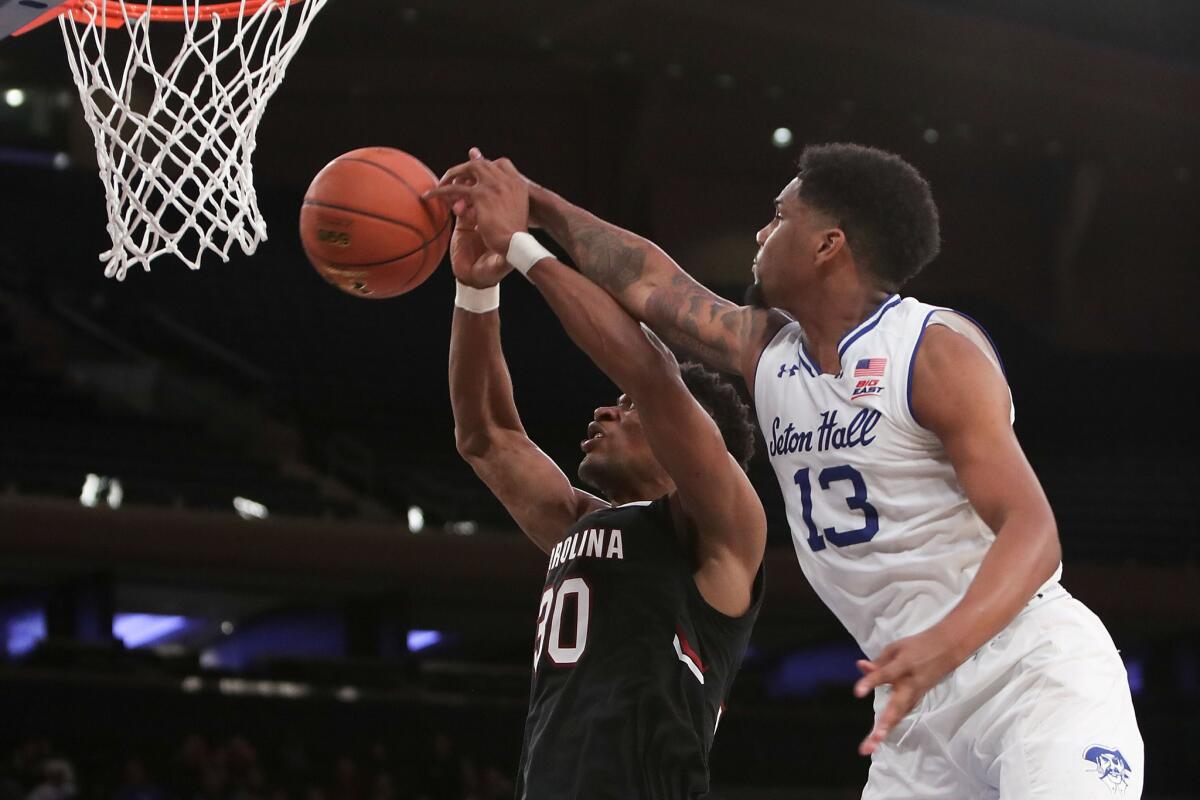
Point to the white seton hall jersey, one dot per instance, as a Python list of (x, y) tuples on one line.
[(882, 528)]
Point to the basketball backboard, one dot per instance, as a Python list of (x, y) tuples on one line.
[(16, 14)]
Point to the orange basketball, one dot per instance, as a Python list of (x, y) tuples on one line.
[(365, 227)]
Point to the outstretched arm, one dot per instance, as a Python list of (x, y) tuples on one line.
[(644, 280), (487, 427)]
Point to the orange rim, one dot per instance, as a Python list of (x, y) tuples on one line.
[(113, 12)]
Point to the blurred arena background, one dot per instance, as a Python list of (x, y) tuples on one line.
[(239, 557)]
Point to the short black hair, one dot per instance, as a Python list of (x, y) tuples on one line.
[(881, 203), (725, 406)]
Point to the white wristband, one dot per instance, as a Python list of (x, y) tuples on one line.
[(477, 301), (524, 251)]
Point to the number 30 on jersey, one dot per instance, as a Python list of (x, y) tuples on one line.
[(572, 592)]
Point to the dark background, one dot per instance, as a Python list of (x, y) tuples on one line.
[(1062, 141)]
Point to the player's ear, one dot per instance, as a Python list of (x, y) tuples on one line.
[(831, 242)]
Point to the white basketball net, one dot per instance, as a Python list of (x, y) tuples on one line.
[(174, 144)]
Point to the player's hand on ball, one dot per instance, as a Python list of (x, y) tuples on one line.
[(473, 264), (911, 666), (493, 192)]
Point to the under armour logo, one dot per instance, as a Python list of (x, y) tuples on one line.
[(791, 370)]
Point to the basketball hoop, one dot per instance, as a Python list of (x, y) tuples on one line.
[(174, 143)]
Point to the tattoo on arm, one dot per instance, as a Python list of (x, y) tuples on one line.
[(688, 347), (680, 311), (602, 252), (606, 257), (679, 308)]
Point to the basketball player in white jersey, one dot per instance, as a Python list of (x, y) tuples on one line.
[(913, 510)]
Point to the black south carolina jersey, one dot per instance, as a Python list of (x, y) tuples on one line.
[(631, 666)]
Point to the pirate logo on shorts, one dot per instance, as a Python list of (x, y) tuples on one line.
[(1110, 767)]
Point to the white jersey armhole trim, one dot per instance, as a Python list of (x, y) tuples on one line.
[(975, 333)]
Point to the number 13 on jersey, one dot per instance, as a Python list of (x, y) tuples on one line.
[(856, 502)]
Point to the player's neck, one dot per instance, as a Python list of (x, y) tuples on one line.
[(826, 317), (650, 488)]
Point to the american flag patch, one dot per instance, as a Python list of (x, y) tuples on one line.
[(870, 367)]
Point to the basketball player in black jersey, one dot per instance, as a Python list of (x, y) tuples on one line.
[(651, 591)]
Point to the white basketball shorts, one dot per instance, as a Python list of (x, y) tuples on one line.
[(1041, 711)]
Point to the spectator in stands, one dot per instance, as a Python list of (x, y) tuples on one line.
[(23, 767), (11, 769), (486, 784), (58, 782), (251, 785), (187, 767), (382, 783), (241, 755), (10, 787), (443, 771), (347, 782), (214, 782), (231, 769), (295, 770), (248, 782), (496, 785), (137, 784), (383, 787)]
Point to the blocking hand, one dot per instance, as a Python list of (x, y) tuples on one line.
[(493, 193)]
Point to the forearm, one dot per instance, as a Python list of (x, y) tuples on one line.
[(480, 386), (611, 338), (648, 283), (691, 348), (1024, 556), (626, 265)]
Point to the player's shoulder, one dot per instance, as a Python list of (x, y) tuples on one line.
[(954, 336), (926, 346), (943, 348), (909, 325), (955, 374)]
